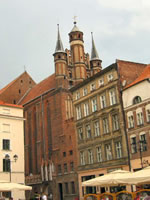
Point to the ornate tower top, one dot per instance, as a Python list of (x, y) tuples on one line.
[(94, 54), (59, 45)]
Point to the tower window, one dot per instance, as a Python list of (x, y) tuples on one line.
[(19, 91), (59, 56), (79, 36), (21, 81)]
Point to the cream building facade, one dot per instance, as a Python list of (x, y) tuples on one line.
[(12, 146), (99, 127)]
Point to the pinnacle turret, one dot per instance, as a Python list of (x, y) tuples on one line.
[(94, 54), (59, 45)]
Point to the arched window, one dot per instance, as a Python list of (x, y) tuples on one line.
[(137, 99)]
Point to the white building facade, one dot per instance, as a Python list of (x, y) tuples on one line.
[(12, 146)]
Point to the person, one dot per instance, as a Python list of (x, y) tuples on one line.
[(44, 197)]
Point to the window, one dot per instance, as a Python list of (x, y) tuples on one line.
[(94, 105), (90, 156), (140, 120), (78, 111), (110, 77), (80, 133), (82, 158), (101, 82), (6, 144), (65, 168), (130, 121), (143, 143), (59, 169), (133, 145), (99, 154), (72, 187), (93, 87), (85, 91), (112, 97), (77, 95), (72, 166), (103, 101), (137, 99), (86, 109), (118, 150), (105, 126), (96, 129), (148, 115), (71, 152), (88, 131), (108, 152), (66, 188), (6, 165), (64, 154), (115, 122), (6, 128)]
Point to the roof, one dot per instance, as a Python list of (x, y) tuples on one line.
[(39, 89), (94, 54), (75, 28), (2, 103), (144, 75), (12, 82), (129, 71), (59, 45)]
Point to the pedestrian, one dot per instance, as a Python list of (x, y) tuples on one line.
[(44, 197)]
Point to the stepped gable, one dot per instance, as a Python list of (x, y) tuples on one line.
[(144, 75), (129, 71), (39, 89)]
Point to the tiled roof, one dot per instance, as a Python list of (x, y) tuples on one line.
[(129, 71), (40, 88), (144, 75), (2, 103)]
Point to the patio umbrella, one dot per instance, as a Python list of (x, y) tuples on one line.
[(110, 179), (7, 186)]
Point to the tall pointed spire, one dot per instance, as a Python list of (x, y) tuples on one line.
[(59, 45), (94, 54)]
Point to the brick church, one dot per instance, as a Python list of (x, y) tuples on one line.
[(50, 140)]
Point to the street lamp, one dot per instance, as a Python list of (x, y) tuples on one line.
[(15, 158)]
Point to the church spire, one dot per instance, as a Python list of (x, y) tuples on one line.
[(59, 45), (94, 54)]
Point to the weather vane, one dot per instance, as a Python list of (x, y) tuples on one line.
[(75, 21)]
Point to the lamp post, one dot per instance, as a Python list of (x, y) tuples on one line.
[(15, 158)]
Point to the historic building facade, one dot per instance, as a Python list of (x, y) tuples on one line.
[(136, 100), (12, 154)]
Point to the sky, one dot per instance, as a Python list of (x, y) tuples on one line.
[(28, 33)]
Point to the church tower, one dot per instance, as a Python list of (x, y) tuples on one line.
[(77, 53), (95, 62), (60, 59)]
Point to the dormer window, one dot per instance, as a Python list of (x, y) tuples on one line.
[(137, 99), (110, 77)]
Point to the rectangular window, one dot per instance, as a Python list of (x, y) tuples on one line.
[(101, 82), (130, 121), (6, 144), (105, 126), (86, 109), (115, 122), (108, 152), (112, 96), (93, 87), (94, 105), (133, 145), (99, 154), (65, 168), (140, 120), (66, 188), (82, 158), (96, 129), (72, 166), (72, 187), (88, 131), (143, 143), (6, 165), (77, 95), (90, 156), (85, 91), (103, 101), (110, 77), (80, 133), (78, 112), (118, 150), (64, 154), (148, 115), (6, 128), (59, 169)]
